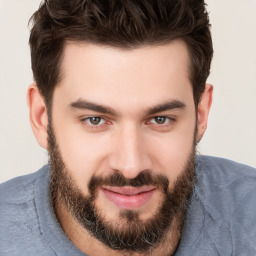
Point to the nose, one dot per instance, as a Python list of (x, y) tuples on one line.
[(130, 155)]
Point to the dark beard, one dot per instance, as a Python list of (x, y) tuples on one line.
[(127, 233)]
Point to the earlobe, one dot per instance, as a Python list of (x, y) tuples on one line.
[(38, 115), (204, 107)]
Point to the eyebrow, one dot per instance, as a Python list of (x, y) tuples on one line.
[(170, 105), (84, 104)]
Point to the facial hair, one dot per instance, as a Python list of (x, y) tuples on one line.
[(128, 233)]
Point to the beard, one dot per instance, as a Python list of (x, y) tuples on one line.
[(128, 233)]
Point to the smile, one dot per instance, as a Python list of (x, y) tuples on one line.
[(129, 197)]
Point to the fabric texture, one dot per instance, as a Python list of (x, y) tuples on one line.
[(221, 217)]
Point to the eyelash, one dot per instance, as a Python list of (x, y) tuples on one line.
[(87, 122), (170, 119)]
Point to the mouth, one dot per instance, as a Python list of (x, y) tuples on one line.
[(129, 197)]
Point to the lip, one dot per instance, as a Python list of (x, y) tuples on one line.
[(129, 197)]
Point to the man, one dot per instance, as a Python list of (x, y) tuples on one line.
[(120, 103)]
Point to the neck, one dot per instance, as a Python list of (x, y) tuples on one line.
[(91, 246)]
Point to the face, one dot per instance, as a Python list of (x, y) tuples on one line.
[(122, 137)]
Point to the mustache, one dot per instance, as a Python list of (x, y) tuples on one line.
[(117, 179)]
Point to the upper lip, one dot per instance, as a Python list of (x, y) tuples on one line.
[(131, 191)]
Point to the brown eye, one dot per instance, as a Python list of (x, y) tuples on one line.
[(160, 119), (95, 120)]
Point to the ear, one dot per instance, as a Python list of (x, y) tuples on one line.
[(38, 115), (203, 111)]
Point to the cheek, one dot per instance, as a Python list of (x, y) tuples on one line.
[(171, 153), (84, 154)]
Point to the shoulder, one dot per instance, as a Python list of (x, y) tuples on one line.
[(227, 169), (19, 216), (227, 192), (20, 189), (224, 181)]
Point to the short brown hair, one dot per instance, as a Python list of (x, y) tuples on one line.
[(118, 23)]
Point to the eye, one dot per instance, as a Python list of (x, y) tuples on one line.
[(94, 120), (161, 123), (160, 120)]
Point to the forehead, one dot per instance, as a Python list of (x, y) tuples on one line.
[(148, 74)]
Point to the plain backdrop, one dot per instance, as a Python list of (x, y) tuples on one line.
[(232, 125)]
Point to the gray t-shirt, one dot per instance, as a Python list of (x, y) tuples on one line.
[(221, 218)]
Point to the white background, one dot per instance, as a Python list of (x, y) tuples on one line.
[(232, 125)]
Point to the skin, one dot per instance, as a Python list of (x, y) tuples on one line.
[(130, 83)]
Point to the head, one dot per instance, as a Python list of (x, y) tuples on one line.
[(120, 102), (121, 24)]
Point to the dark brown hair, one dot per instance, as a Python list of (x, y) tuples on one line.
[(119, 23)]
